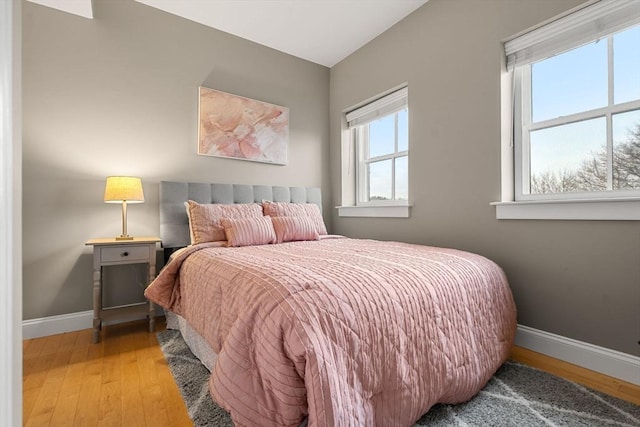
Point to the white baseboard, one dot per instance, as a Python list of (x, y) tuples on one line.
[(44, 326), (41, 327), (600, 359), (609, 362)]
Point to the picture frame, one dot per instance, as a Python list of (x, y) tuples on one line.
[(236, 127)]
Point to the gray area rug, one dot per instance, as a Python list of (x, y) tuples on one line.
[(517, 395)]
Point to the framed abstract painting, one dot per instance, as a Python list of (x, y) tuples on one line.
[(241, 128)]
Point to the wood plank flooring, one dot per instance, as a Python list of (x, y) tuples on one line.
[(595, 380), (124, 380)]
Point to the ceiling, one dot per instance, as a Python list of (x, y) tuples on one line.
[(77, 7), (320, 31)]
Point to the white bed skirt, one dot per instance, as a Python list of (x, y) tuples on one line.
[(199, 347)]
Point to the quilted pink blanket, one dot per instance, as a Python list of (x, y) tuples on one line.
[(347, 332)]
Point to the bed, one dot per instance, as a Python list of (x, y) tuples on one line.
[(324, 330)]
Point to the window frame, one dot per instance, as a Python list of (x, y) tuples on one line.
[(361, 137), (523, 121), (353, 184), (578, 26)]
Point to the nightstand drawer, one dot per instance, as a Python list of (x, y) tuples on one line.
[(125, 254)]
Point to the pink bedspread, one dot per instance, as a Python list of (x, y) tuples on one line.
[(349, 332)]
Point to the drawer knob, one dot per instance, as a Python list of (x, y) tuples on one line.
[(125, 253)]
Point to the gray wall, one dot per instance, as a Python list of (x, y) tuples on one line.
[(118, 95), (578, 279)]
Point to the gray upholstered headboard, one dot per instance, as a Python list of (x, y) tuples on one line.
[(174, 224)]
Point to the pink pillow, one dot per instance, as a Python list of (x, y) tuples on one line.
[(248, 231), (291, 228), (310, 210), (204, 219)]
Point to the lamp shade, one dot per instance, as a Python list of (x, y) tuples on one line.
[(123, 188)]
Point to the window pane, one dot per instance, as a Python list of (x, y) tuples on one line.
[(380, 180), (382, 136), (626, 65), (569, 158), (626, 151), (402, 178), (403, 130), (569, 83)]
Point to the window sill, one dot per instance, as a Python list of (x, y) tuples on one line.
[(627, 209), (380, 211)]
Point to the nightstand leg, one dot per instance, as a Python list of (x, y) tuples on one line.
[(152, 317), (152, 275), (97, 303)]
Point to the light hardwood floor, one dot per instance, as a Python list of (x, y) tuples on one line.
[(124, 380), (595, 380)]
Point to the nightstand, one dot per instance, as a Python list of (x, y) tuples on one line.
[(109, 251)]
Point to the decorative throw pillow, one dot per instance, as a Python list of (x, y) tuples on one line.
[(310, 210), (248, 231), (204, 219), (292, 228)]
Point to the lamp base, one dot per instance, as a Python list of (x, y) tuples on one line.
[(124, 238)]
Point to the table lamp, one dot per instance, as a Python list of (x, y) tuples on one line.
[(123, 189)]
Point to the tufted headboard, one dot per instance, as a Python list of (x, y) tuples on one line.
[(174, 224)]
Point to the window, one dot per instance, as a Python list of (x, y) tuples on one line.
[(380, 133), (576, 107), (580, 121), (383, 152)]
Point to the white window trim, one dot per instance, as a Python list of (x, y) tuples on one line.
[(627, 209), (380, 211), (579, 25), (396, 98), (363, 161)]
